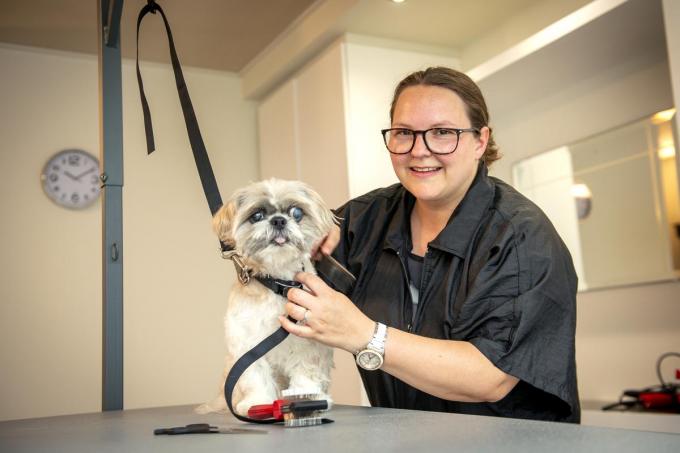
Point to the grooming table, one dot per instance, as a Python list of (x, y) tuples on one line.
[(356, 429)]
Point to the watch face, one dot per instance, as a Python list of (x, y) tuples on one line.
[(71, 179), (369, 359)]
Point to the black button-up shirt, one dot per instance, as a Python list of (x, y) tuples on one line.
[(498, 276)]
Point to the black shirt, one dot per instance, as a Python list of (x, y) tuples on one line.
[(497, 276)]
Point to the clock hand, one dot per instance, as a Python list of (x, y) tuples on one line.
[(85, 173), (75, 178)]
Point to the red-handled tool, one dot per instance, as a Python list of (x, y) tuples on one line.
[(660, 399), (279, 408)]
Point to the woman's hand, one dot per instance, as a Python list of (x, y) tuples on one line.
[(424, 363), (329, 317), (327, 244)]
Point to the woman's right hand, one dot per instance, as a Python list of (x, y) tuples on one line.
[(327, 244)]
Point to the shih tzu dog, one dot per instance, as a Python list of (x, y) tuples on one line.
[(272, 225)]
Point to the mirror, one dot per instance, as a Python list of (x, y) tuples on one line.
[(613, 198)]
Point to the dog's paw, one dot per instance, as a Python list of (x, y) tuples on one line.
[(203, 409), (242, 408), (218, 406)]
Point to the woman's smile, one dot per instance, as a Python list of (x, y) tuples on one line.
[(424, 172)]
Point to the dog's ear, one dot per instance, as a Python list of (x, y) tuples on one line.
[(325, 216), (223, 222), (327, 219)]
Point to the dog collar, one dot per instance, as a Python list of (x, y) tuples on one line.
[(277, 285), (244, 273)]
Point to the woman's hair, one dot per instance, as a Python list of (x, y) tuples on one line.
[(464, 87)]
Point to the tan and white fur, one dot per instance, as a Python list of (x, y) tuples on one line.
[(272, 225)]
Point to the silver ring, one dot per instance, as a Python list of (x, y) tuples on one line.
[(304, 318)]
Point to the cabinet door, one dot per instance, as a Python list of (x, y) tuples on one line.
[(321, 125), (277, 130)]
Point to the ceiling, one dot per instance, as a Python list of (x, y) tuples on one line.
[(217, 34), (228, 34)]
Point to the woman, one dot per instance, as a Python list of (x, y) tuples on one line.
[(475, 287)]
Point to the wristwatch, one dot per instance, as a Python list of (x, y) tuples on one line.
[(372, 356)]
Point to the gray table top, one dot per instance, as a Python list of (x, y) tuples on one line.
[(356, 429)]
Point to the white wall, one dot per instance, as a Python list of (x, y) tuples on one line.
[(175, 284)]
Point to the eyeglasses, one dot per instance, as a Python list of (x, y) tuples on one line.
[(438, 140)]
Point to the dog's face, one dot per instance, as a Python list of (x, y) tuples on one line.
[(273, 223)]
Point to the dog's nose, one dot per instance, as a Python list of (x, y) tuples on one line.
[(278, 222)]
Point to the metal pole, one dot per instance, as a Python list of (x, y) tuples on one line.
[(111, 161)]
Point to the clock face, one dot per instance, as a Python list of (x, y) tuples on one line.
[(71, 179), (369, 360)]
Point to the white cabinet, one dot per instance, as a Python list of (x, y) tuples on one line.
[(327, 118)]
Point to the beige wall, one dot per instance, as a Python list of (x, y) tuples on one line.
[(175, 284), (50, 278)]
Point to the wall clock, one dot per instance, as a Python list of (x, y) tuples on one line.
[(70, 178)]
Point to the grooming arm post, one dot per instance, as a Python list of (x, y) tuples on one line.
[(111, 158)]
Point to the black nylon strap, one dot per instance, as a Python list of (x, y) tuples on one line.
[(211, 193), (244, 362), (205, 171)]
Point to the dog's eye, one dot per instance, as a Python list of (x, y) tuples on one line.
[(256, 217), (296, 213)]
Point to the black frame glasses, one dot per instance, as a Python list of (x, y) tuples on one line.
[(424, 133)]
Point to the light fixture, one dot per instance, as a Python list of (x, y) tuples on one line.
[(666, 152), (583, 199), (397, 1), (663, 116)]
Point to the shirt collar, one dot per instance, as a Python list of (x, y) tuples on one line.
[(458, 233), (456, 236), (399, 227)]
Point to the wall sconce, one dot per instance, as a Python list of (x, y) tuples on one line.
[(583, 199)]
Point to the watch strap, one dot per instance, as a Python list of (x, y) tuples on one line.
[(377, 343)]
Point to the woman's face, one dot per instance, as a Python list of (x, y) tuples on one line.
[(439, 181)]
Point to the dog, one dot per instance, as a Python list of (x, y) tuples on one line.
[(272, 225)]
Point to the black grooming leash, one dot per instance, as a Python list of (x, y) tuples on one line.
[(212, 194), (328, 269)]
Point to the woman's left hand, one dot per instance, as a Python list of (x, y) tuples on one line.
[(329, 316)]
